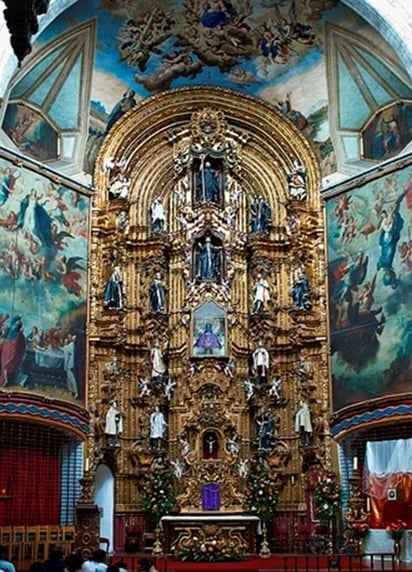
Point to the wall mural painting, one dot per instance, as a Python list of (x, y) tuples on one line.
[(389, 131), (370, 288), (31, 133), (43, 271)]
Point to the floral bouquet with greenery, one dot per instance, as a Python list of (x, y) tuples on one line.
[(210, 549), (358, 529), (158, 495), (396, 529), (327, 497), (262, 496)]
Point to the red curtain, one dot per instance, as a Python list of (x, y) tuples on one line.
[(29, 486), (384, 511)]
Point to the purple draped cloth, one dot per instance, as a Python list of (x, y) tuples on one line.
[(211, 496)]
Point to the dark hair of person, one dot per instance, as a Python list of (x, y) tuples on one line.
[(145, 563), (99, 555)]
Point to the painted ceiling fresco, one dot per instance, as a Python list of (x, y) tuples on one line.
[(116, 52), (273, 49)]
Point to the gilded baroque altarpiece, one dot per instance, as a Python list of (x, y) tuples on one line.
[(207, 205)]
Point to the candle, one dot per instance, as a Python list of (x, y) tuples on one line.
[(368, 504), (87, 464), (355, 463)]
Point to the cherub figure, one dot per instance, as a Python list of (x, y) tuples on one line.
[(229, 367), (275, 387), (169, 388), (144, 387), (185, 446), (233, 446), (177, 468), (243, 468), (249, 388)]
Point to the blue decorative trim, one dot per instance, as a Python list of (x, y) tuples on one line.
[(369, 416), (45, 413)]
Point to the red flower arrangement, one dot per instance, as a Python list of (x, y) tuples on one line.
[(358, 529), (396, 529)]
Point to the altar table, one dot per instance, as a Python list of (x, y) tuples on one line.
[(182, 526)]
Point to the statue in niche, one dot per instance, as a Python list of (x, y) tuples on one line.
[(265, 429), (261, 364), (208, 180), (157, 294), (303, 423), (158, 364), (114, 425), (261, 215), (208, 259), (158, 216), (210, 445), (114, 295), (261, 294), (157, 428), (301, 291)]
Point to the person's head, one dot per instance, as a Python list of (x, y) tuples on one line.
[(74, 562), (145, 564), (99, 555)]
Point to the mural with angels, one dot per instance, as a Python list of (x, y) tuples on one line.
[(369, 230), (43, 272)]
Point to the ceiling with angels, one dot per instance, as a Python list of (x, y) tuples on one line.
[(302, 56)]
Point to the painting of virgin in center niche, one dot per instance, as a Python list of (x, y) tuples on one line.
[(43, 269), (369, 238), (209, 331)]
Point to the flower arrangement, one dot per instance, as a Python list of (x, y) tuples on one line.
[(262, 496), (396, 529), (327, 497), (211, 549), (358, 529), (158, 495)]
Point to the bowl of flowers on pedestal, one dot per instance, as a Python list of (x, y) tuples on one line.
[(358, 531), (396, 531)]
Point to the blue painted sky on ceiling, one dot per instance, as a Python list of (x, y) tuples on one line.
[(244, 45)]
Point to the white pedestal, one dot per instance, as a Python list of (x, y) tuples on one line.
[(378, 541)]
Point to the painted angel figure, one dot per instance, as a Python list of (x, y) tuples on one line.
[(144, 387), (297, 182), (169, 388), (275, 387)]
